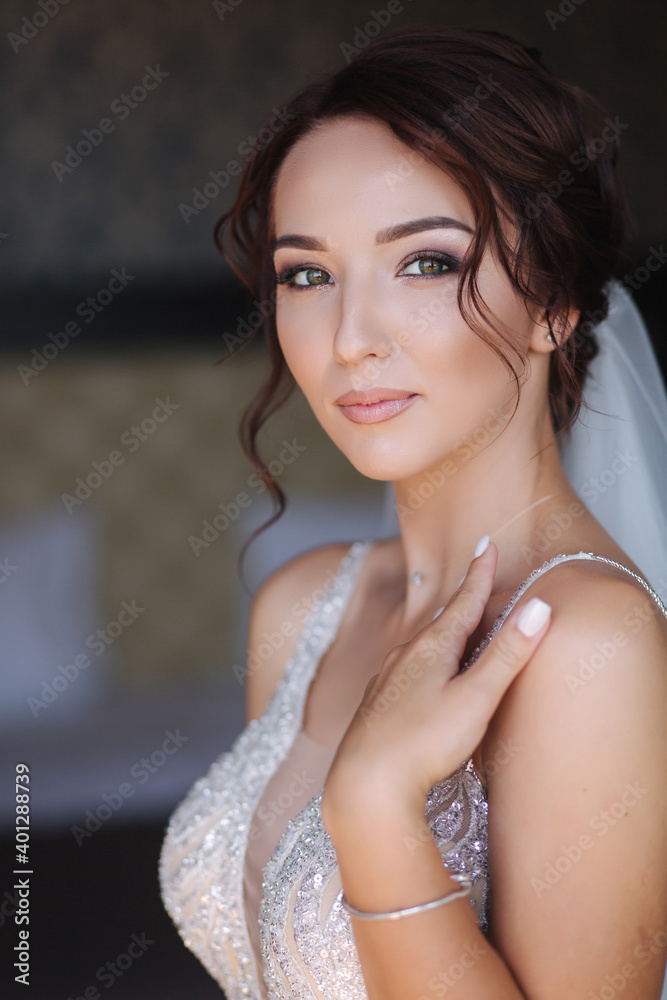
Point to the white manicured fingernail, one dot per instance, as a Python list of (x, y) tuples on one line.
[(481, 546), (532, 616), (437, 613)]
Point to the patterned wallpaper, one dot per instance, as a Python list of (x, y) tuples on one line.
[(149, 447), (157, 95)]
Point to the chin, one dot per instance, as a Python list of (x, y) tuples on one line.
[(386, 465), (389, 455)]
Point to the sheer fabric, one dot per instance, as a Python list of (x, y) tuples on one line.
[(289, 937), (296, 780)]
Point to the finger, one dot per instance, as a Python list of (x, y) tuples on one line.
[(369, 687), (472, 574), (444, 639), (454, 624), (509, 650)]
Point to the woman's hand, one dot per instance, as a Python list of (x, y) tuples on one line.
[(419, 718)]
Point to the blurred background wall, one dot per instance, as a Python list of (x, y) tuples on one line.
[(114, 307)]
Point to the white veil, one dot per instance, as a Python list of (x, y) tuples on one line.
[(616, 459)]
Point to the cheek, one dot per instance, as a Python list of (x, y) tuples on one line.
[(463, 371), (302, 342), (469, 377)]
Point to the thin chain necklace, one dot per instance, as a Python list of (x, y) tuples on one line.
[(418, 578)]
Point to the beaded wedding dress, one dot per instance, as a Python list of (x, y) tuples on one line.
[(247, 871)]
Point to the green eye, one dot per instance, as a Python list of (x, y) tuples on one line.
[(312, 276), (426, 265)]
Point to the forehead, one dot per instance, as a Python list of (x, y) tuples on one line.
[(356, 168)]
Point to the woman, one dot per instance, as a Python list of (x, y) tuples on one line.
[(434, 805)]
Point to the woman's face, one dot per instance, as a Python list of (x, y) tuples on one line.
[(368, 301)]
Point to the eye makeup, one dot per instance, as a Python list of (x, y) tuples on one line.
[(449, 264)]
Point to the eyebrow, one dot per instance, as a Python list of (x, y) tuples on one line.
[(388, 235)]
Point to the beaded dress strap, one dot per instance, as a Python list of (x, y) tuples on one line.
[(549, 564), (322, 624)]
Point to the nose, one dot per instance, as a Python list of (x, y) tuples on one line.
[(361, 331)]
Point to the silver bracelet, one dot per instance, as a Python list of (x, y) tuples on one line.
[(420, 908)]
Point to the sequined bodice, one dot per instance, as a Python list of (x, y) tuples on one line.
[(307, 944)]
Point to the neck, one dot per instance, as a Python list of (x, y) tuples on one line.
[(509, 491)]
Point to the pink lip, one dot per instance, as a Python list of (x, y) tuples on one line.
[(376, 405), (375, 395)]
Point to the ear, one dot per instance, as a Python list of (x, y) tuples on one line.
[(542, 341)]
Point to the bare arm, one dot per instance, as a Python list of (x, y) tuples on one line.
[(578, 818), (591, 765), (279, 611)]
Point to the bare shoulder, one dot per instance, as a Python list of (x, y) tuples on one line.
[(607, 632), (279, 611), (599, 608), (574, 759)]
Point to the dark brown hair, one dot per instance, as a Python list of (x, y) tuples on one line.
[(527, 149)]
